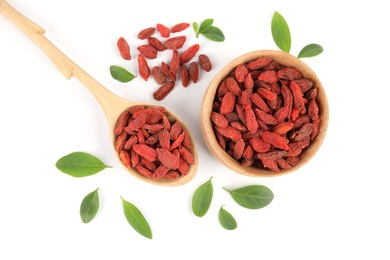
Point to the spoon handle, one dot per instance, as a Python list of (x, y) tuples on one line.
[(63, 63)]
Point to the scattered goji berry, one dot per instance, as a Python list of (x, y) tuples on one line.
[(163, 90), (124, 48), (194, 71), (146, 33), (175, 69), (179, 27), (204, 62), (175, 43), (188, 54), (163, 30), (143, 67), (148, 51)]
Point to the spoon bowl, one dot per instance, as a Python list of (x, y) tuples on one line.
[(209, 98), (112, 105)]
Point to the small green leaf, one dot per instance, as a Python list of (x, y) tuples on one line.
[(310, 50), (121, 74), (202, 198), (281, 32), (196, 28), (136, 219), (89, 206), (214, 34), (253, 196), (206, 25), (80, 164), (226, 219)]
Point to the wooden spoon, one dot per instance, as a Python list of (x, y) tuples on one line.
[(111, 104)]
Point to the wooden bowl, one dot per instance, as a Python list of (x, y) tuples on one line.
[(286, 60)]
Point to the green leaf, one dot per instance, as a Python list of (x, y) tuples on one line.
[(196, 28), (136, 219), (80, 164), (202, 198), (281, 32), (226, 219), (89, 206), (121, 74), (206, 25), (214, 34), (310, 50), (253, 196)]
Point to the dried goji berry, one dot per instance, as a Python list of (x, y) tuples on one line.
[(233, 86), (121, 122), (269, 76), (178, 141), (194, 71), (124, 48), (146, 33), (299, 102), (289, 73), (179, 27), (163, 90), (167, 158), (229, 132), (283, 128), (184, 75), (267, 94), (156, 43), (259, 145), (259, 102), (175, 43), (120, 141), (219, 119), (275, 140), (259, 63), (228, 103), (312, 109), (174, 65), (266, 118), (163, 30), (125, 157), (143, 67), (250, 119), (239, 148), (167, 71), (188, 54), (186, 155), (171, 175), (204, 62), (158, 75), (148, 51), (241, 72)]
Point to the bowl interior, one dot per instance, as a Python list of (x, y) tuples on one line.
[(208, 100)]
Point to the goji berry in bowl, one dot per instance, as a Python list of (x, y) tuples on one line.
[(265, 114), (155, 146)]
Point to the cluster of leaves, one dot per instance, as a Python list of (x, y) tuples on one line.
[(282, 38), (81, 164), (208, 30), (250, 197)]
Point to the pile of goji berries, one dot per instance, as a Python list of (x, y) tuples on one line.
[(153, 145), (179, 67), (264, 114)]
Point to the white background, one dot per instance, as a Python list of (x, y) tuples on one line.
[(335, 207)]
